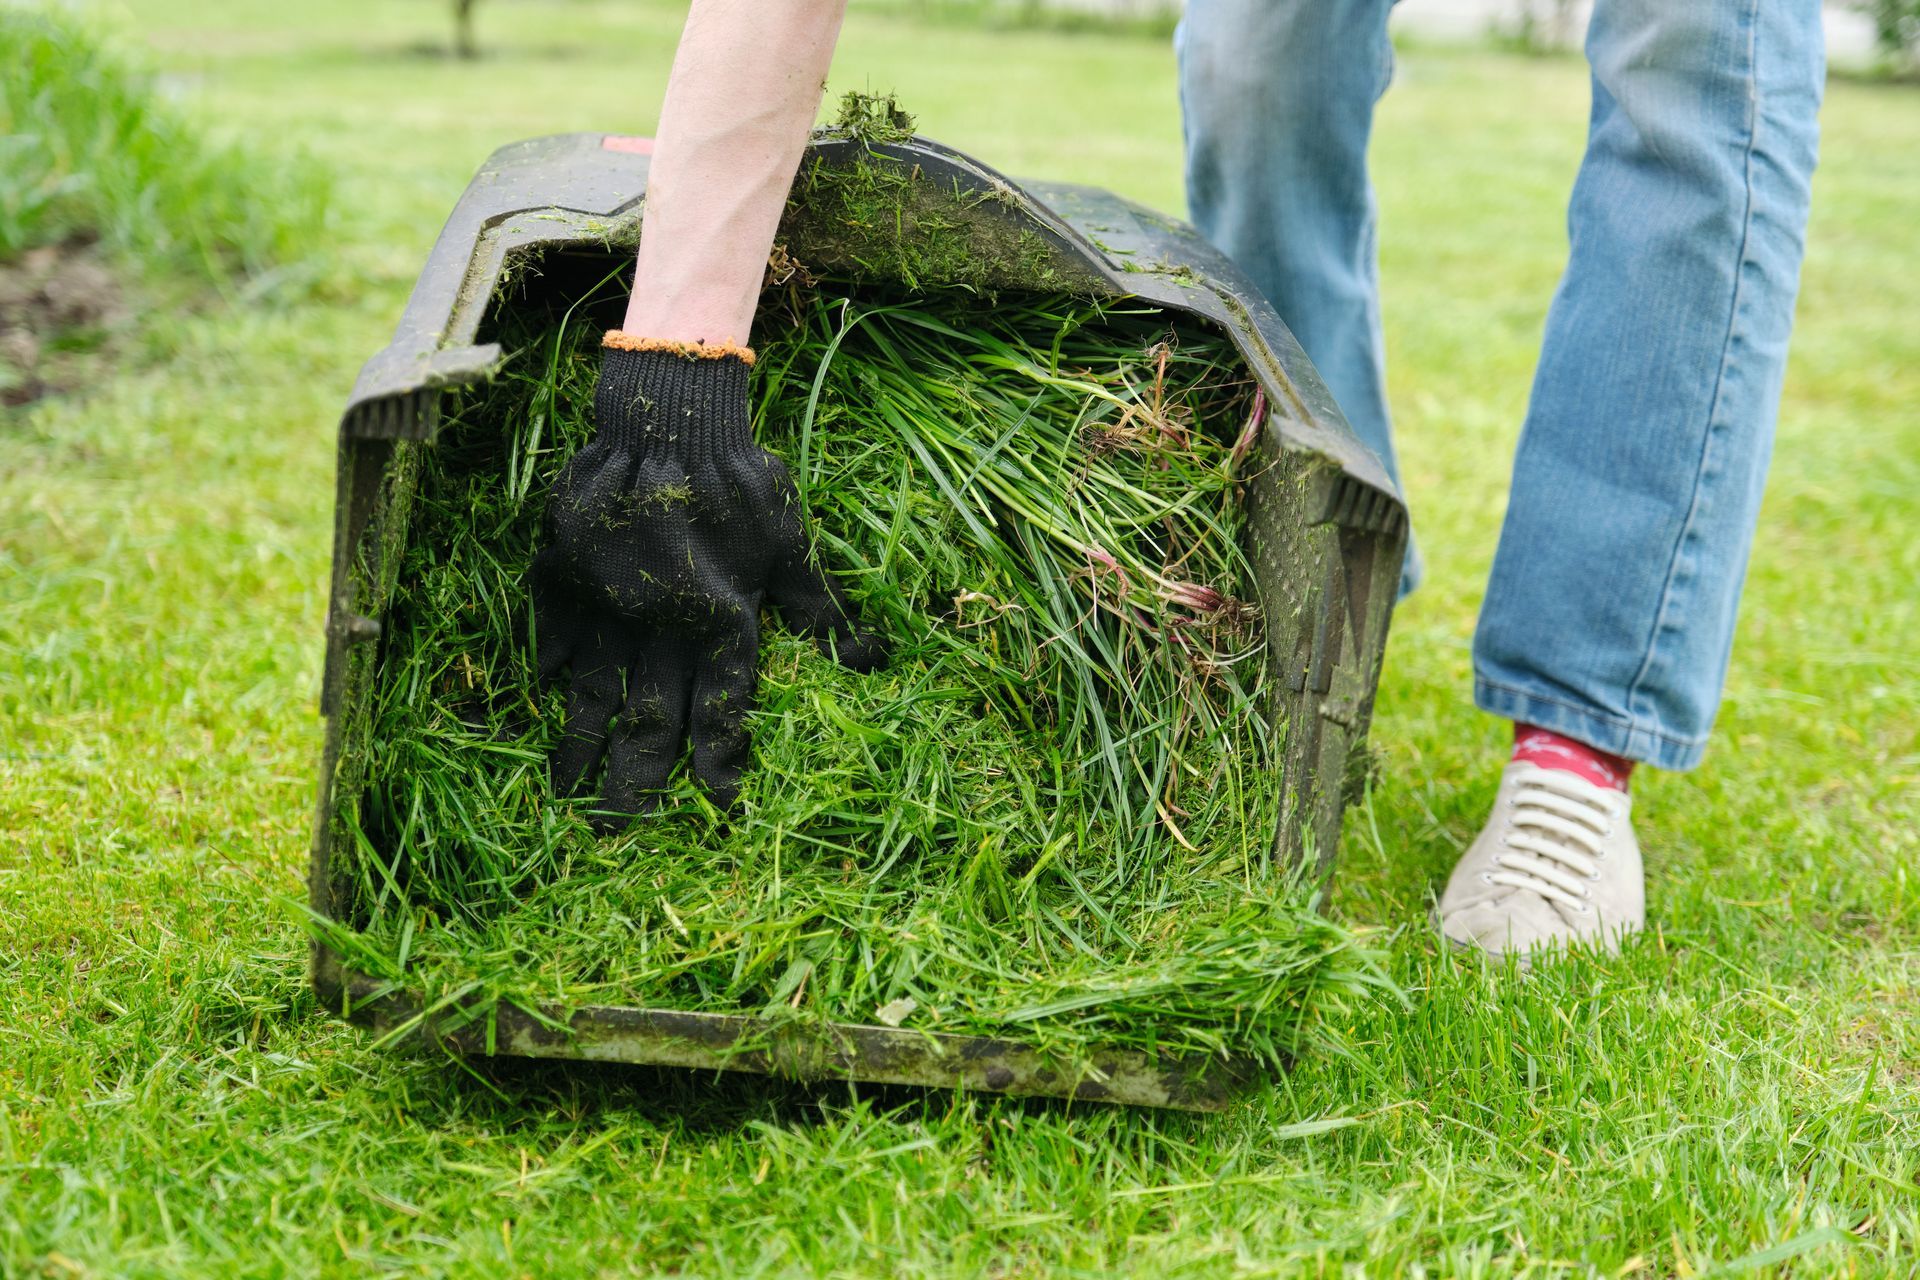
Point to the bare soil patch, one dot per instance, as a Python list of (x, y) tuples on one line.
[(58, 303)]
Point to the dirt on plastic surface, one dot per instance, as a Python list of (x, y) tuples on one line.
[(58, 302)]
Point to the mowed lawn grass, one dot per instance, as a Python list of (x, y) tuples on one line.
[(1738, 1094)]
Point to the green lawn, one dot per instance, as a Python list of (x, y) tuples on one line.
[(1740, 1094)]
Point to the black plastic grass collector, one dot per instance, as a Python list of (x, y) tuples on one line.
[(550, 220)]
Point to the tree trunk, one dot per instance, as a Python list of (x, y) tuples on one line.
[(463, 43)]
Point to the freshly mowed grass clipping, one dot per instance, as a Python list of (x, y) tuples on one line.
[(1052, 814)]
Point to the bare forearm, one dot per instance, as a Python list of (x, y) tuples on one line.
[(745, 88)]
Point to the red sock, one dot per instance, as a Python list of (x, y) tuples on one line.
[(1550, 750)]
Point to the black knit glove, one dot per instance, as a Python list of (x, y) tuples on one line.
[(667, 530)]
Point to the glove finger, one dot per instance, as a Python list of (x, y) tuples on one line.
[(558, 622), (724, 678), (812, 603), (647, 736), (809, 600), (599, 673)]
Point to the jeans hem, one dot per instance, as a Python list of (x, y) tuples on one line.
[(1605, 733)]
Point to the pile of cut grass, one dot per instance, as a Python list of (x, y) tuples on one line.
[(1051, 815)]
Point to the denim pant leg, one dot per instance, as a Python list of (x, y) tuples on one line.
[(1278, 99), (1610, 612)]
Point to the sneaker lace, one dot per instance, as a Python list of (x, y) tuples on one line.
[(1555, 839)]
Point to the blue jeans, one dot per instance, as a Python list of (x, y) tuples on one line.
[(1610, 613)]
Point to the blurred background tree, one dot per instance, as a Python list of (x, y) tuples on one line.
[(1896, 30), (464, 44), (1542, 26)]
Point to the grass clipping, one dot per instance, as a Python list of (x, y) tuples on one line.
[(1051, 816)]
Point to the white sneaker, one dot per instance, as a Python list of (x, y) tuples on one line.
[(1556, 865)]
